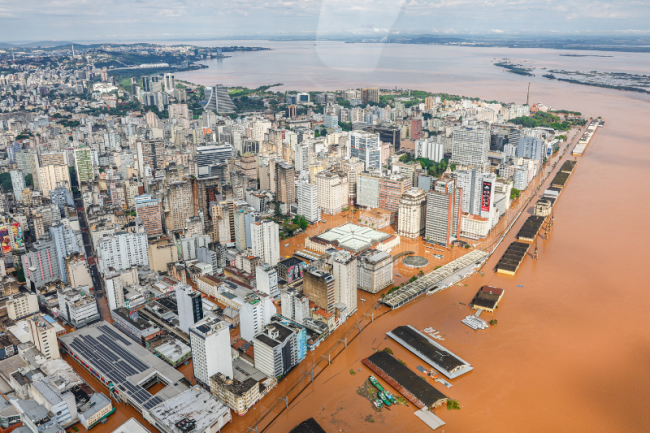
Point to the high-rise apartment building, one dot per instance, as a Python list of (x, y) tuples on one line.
[(353, 167), (366, 147), (412, 214), (530, 147), (470, 147), (67, 243), (20, 305), (416, 128), (83, 164), (51, 176), (244, 217), (295, 305), (266, 278), (151, 153), (307, 199), (370, 94), (391, 189), (303, 156), (18, 183), (256, 311), (77, 306), (211, 354), (478, 192), (52, 158), (181, 205), (319, 288), (345, 272), (444, 207), (170, 83), (190, 306), (368, 190), (113, 288), (333, 192), (44, 337), (40, 264), (375, 270), (286, 183), (147, 209), (430, 148), (123, 250), (266, 241)]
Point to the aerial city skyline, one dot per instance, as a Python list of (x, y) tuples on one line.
[(323, 217)]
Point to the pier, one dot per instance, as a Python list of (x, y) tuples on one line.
[(512, 258), (531, 228), (430, 352), (419, 392)]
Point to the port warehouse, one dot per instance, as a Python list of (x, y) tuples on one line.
[(586, 137), (410, 385), (487, 298), (531, 228), (125, 368), (512, 258), (435, 280), (430, 352)]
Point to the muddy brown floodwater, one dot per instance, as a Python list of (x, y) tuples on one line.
[(571, 348)]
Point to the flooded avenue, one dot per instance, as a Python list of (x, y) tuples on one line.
[(571, 348)]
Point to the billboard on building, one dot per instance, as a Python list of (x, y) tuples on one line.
[(295, 272), (5, 238), (486, 196), (18, 235)]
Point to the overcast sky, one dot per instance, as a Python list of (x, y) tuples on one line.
[(103, 20)]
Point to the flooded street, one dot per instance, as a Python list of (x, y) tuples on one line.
[(571, 347)]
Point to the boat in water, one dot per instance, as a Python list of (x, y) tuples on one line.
[(390, 397), (384, 398), (375, 383), (378, 403)]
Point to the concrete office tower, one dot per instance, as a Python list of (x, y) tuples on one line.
[(211, 354), (147, 209), (521, 177), (40, 264), (412, 215), (295, 305), (266, 241), (366, 147), (345, 272), (51, 176), (66, 243), (123, 250), (151, 153), (470, 147), (77, 307), (44, 337), (83, 164), (256, 311), (21, 305), (276, 350), (353, 167), (244, 218), (112, 141), (190, 245), (368, 190), (34, 165), (209, 157), (113, 287), (370, 94), (307, 199), (530, 147), (18, 183), (181, 205), (267, 280), (319, 288), (218, 100), (286, 183), (478, 192), (333, 192), (430, 148), (444, 207), (391, 189), (190, 306), (375, 270), (170, 83), (303, 156)]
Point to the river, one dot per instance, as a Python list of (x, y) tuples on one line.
[(571, 349)]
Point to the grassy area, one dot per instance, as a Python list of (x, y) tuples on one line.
[(515, 69)]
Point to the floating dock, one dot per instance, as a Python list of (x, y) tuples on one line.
[(512, 258), (419, 392), (531, 228), (430, 352)]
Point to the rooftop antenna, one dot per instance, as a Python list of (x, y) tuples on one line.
[(13, 54), (73, 56), (528, 96)]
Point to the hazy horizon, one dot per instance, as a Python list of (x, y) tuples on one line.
[(81, 20)]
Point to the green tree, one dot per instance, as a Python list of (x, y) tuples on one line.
[(5, 181), (278, 212), (301, 221), (20, 274), (452, 166), (514, 193), (73, 176)]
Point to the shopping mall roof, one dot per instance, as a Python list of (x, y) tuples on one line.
[(352, 237)]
